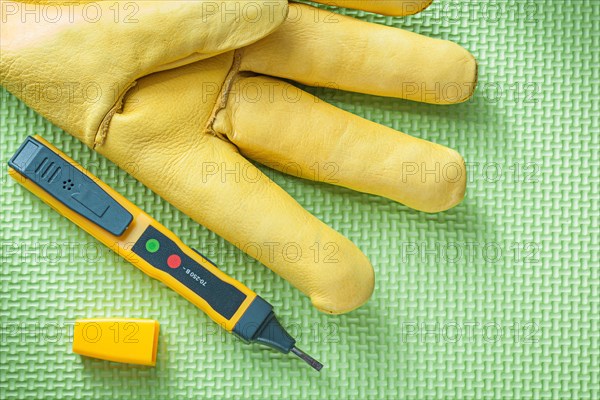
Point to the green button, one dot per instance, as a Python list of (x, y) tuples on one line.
[(152, 245)]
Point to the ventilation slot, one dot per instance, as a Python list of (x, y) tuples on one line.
[(55, 174), (47, 170), (44, 161)]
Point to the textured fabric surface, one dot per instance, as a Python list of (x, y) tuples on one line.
[(497, 298)]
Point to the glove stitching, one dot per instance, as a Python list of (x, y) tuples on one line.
[(221, 103), (102, 132)]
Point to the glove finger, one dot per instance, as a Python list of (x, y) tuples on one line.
[(165, 148), (363, 57), (315, 140), (385, 7)]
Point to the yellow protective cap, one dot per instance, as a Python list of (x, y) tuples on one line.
[(124, 340)]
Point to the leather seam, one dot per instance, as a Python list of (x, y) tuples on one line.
[(221, 103), (102, 131)]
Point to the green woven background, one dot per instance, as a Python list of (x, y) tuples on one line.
[(497, 298)]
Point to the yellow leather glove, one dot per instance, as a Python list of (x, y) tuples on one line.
[(159, 89)]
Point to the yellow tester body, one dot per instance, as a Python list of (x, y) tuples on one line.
[(122, 226)]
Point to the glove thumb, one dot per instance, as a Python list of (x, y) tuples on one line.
[(72, 61)]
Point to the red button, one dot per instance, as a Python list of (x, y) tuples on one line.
[(174, 261)]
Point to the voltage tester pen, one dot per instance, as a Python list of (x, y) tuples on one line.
[(122, 226)]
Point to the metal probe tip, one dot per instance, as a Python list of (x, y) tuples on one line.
[(308, 359)]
